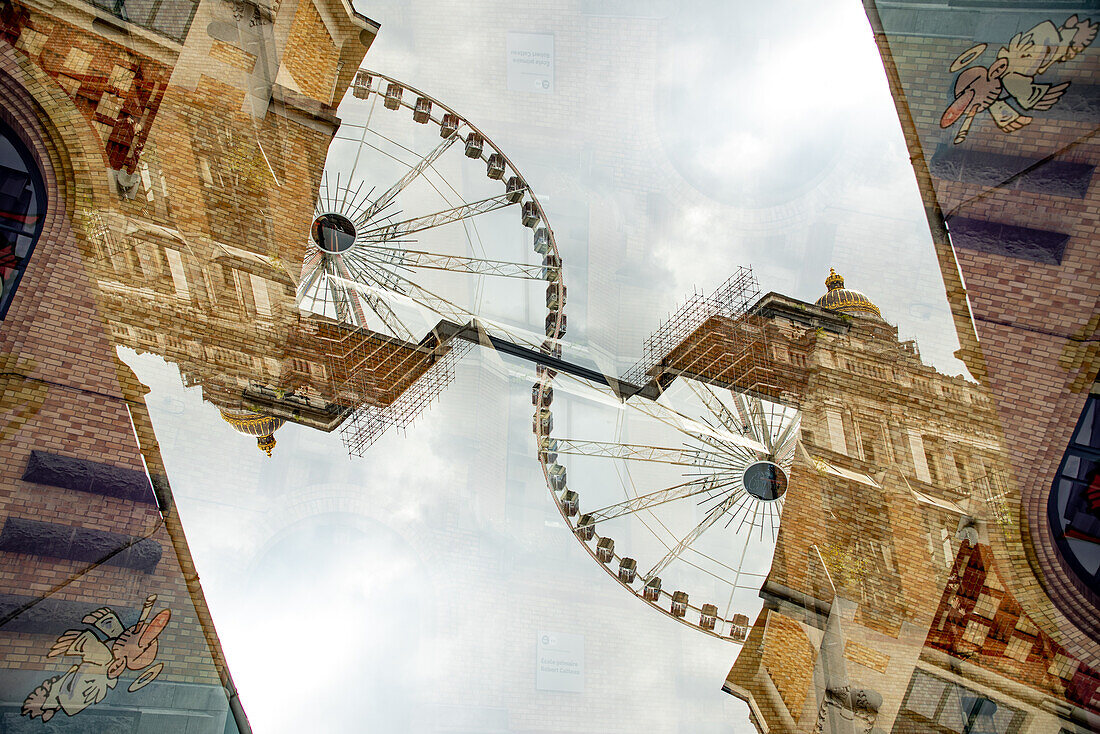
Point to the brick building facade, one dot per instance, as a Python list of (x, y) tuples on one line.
[(998, 107), (180, 148)]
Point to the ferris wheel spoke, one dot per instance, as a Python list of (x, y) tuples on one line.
[(309, 282), (756, 420), (711, 518), (353, 312), (359, 269), (409, 289), (460, 264), (747, 414), (740, 452), (354, 298), (447, 309), (418, 168), (338, 299), (781, 425), (391, 255), (715, 406), (694, 428), (788, 436), (425, 298), (312, 259), (325, 195), (335, 293), (635, 452), (764, 426), (376, 304), (752, 523), (388, 317), (320, 287), (377, 272), (775, 514), (417, 224), (660, 497), (314, 296), (434, 302), (784, 449), (309, 298)]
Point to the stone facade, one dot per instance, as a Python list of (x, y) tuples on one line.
[(884, 551)]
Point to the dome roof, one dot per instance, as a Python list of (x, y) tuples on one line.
[(838, 298), (262, 427)]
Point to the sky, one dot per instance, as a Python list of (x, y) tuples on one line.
[(423, 586), (682, 140)]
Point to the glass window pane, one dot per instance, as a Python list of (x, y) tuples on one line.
[(1087, 435), (925, 695), (21, 206), (952, 716)]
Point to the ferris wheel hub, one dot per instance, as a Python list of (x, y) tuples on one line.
[(333, 233), (765, 480)]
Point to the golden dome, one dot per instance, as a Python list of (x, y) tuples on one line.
[(262, 427), (838, 298)]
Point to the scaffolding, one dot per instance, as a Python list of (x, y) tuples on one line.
[(390, 383), (366, 367), (368, 422), (730, 300)]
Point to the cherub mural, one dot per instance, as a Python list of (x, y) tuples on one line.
[(1011, 76), (102, 661)]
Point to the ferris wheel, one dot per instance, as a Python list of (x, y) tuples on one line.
[(420, 216), (678, 498), (682, 499)]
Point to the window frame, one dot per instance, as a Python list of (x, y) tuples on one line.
[(1057, 528), (38, 181)]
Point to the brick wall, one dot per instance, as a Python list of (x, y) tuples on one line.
[(183, 257), (1035, 318), (789, 659), (65, 394), (311, 55)]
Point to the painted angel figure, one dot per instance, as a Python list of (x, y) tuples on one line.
[(1011, 77), (101, 661)]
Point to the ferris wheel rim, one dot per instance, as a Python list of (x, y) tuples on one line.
[(486, 138), (371, 237), (664, 599)]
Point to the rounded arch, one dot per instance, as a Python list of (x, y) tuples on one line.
[(1022, 542), (23, 205), (68, 155)]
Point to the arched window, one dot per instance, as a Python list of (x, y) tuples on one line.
[(1074, 505), (22, 210)]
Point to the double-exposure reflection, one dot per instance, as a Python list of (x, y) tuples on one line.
[(294, 321)]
